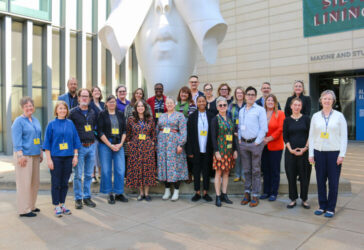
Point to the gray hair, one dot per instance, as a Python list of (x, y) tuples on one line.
[(328, 92), (221, 99), (171, 98), (25, 100)]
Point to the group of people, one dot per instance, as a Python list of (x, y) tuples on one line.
[(169, 141)]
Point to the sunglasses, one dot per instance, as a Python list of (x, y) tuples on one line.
[(222, 105)]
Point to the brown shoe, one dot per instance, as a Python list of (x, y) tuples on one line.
[(246, 199), (254, 202)]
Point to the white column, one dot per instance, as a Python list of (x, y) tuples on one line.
[(28, 56), (82, 53), (65, 47), (129, 72)]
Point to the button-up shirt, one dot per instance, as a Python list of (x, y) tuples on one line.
[(120, 105), (203, 125), (253, 123)]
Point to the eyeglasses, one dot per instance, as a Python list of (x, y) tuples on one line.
[(224, 89), (158, 89), (122, 91), (85, 96), (193, 82), (250, 94), (208, 89), (222, 105)]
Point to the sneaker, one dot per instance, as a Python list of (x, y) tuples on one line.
[(88, 202), (148, 198), (329, 214), (94, 180), (65, 210), (30, 214), (58, 212), (246, 199), (207, 198), (196, 197), (141, 197), (121, 197), (237, 179), (264, 196), (319, 212), (78, 204), (111, 199), (272, 198)]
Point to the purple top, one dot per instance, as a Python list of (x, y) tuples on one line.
[(120, 105)]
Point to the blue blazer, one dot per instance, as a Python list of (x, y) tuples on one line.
[(65, 98)]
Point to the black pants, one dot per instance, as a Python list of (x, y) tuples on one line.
[(189, 165), (59, 178), (175, 184), (201, 166), (271, 166), (297, 166)]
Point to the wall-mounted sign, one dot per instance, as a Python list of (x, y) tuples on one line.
[(337, 55), (322, 17), (360, 108)]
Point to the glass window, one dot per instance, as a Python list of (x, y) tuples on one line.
[(4, 5), (87, 6), (16, 69), (36, 8), (73, 55), (103, 71), (89, 62), (56, 86), (71, 14), (1, 94)]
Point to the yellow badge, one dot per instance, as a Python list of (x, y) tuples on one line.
[(36, 141), (87, 128), (229, 146), (203, 133), (115, 131), (237, 122), (229, 137), (157, 115), (324, 135), (142, 137), (63, 146), (166, 130)]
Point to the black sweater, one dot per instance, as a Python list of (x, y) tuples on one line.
[(306, 105), (296, 132), (80, 121)]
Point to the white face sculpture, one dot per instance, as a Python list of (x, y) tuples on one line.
[(165, 48)]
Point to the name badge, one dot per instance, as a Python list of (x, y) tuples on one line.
[(36, 141), (63, 146), (229, 146), (115, 131), (324, 135), (243, 127), (157, 115), (166, 130), (203, 133), (229, 137), (142, 137), (87, 128), (237, 122)]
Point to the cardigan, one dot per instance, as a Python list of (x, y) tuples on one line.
[(275, 129), (104, 126)]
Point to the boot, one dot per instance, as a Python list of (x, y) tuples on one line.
[(218, 200), (224, 198), (175, 195), (167, 194)]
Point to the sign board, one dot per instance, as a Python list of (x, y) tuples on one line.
[(360, 109), (322, 17)]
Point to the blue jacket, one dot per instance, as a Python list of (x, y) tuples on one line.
[(68, 99), (95, 108)]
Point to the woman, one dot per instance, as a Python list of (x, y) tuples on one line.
[(61, 144), (211, 105), (26, 133), (172, 136), (97, 105), (199, 147), (141, 140), (185, 103), (328, 140), (295, 134), (224, 148), (272, 152), (298, 91), (121, 102), (111, 131), (138, 95), (233, 114)]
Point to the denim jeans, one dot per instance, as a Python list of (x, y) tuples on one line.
[(85, 166), (107, 158), (239, 172)]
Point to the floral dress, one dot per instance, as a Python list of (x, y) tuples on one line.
[(225, 147), (172, 167), (142, 167)]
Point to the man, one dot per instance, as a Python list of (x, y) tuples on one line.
[(84, 118), (252, 129), (71, 97), (157, 102), (121, 100), (193, 82), (266, 90)]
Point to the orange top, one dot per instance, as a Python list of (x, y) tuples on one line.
[(275, 129)]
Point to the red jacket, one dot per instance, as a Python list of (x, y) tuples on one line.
[(275, 129), (151, 102)]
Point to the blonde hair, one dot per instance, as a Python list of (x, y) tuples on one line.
[(59, 103)]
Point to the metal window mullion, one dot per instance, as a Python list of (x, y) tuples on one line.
[(27, 57), (47, 70)]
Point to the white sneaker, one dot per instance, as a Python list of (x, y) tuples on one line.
[(167, 194), (71, 178), (175, 195)]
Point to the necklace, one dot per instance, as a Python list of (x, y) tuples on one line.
[(296, 118)]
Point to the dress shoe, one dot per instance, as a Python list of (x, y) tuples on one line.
[(111, 199), (207, 198), (225, 198), (264, 196), (88, 202), (121, 197), (196, 197), (141, 197), (246, 199), (319, 212), (148, 198), (272, 198), (218, 200), (36, 210), (254, 202), (305, 205), (167, 194), (30, 214), (78, 204), (292, 204)]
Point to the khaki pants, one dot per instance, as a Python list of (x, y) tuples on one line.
[(27, 184)]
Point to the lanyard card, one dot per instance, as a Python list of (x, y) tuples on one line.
[(324, 135), (87, 128), (203, 133), (63, 146), (142, 137), (229, 137), (166, 130), (157, 115), (229, 146), (237, 122), (36, 141), (115, 131)]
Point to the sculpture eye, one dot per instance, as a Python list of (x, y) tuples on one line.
[(158, 9), (166, 8)]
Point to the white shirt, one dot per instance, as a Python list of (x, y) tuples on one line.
[(203, 125), (337, 130)]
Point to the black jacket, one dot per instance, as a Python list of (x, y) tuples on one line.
[(104, 126), (306, 105), (215, 133), (95, 108), (192, 145), (80, 121)]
